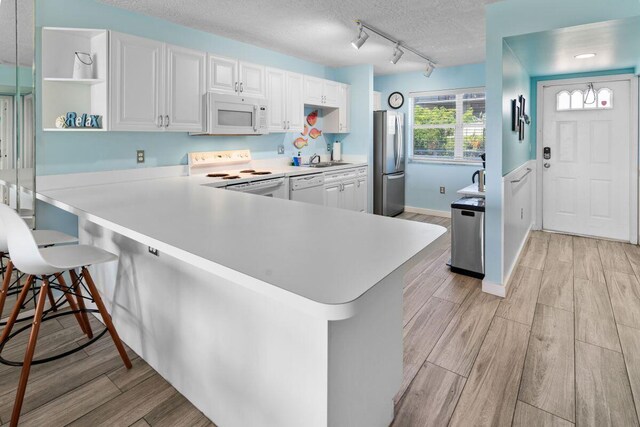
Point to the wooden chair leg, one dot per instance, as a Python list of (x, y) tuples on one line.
[(52, 300), (71, 301), (16, 309), (28, 357), (78, 290), (5, 285), (106, 317)]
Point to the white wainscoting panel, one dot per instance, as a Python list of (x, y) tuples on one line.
[(519, 190)]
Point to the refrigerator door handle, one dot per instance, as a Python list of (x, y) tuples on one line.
[(400, 145), (395, 142), (394, 177)]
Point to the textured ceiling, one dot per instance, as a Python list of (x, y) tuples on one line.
[(8, 32), (451, 32), (615, 44)]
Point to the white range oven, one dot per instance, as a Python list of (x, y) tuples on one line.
[(271, 187)]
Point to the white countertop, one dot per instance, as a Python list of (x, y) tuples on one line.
[(272, 246), (471, 190)]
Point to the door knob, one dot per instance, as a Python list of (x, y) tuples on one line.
[(547, 165)]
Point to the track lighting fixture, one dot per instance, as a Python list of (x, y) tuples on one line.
[(429, 69), (397, 54), (362, 37)]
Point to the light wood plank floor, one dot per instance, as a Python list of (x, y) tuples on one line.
[(562, 349)]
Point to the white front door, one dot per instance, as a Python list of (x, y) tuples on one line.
[(587, 175)]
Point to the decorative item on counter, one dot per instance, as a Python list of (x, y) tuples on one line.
[(312, 118), (300, 142), (61, 122), (305, 131), (75, 120), (315, 133), (82, 66), (297, 160)]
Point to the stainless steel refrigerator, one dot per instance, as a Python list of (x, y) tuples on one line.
[(388, 163)]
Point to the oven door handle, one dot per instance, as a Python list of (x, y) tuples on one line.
[(260, 185)]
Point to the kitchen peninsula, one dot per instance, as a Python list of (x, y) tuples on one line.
[(260, 311)]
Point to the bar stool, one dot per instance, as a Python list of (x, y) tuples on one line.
[(46, 263), (43, 238)]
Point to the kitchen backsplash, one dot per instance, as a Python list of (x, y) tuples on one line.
[(314, 139)]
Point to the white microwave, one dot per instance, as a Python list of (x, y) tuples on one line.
[(235, 115)]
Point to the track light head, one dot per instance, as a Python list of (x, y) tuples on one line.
[(362, 37), (397, 54), (429, 69)]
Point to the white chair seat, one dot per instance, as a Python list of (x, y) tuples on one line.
[(52, 237), (63, 258)]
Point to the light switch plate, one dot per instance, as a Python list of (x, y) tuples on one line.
[(281, 149), (442, 190)]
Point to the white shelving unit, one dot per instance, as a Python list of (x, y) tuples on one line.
[(61, 93)]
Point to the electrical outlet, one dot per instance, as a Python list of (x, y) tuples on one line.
[(140, 156), (281, 149), (442, 190), (154, 251), (328, 148)]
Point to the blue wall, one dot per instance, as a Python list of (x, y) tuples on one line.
[(66, 152), (515, 82), (425, 179)]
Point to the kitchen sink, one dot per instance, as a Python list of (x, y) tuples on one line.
[(327, 164)]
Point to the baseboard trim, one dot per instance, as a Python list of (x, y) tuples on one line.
[(494, 288), (424, 211), (501, 290)]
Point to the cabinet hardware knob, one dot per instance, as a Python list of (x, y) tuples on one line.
[(166, 124), (241, 88), (547, 165), (236, 89), (160, 121)]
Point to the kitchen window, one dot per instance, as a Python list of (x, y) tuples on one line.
[(447, 125)]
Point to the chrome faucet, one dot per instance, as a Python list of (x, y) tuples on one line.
[(314, 157)]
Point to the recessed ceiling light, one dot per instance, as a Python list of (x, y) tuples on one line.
[(585, 56)]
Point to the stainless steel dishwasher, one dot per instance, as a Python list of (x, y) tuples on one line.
[(467, 236), (307, 188)]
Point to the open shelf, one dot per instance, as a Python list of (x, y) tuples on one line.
[(61, 93), (72, 80)]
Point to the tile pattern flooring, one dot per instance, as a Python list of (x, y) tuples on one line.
[(563, 348)]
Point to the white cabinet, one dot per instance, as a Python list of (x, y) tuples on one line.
[(346, 189), (321, 92), (228, 75), (337, 120), (186, 71), (295, 102), (361, 192), (137, 76), (155, 86), (284, 99), (276, 85), (332, 93), (332, 193), (251, 80), (223, 74)]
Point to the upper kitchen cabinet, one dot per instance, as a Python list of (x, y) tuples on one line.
[(295, 102), (186, 70), (155, 86), (228, 75), (284, 99), (337, 120), (81, 92), (321, 92)]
